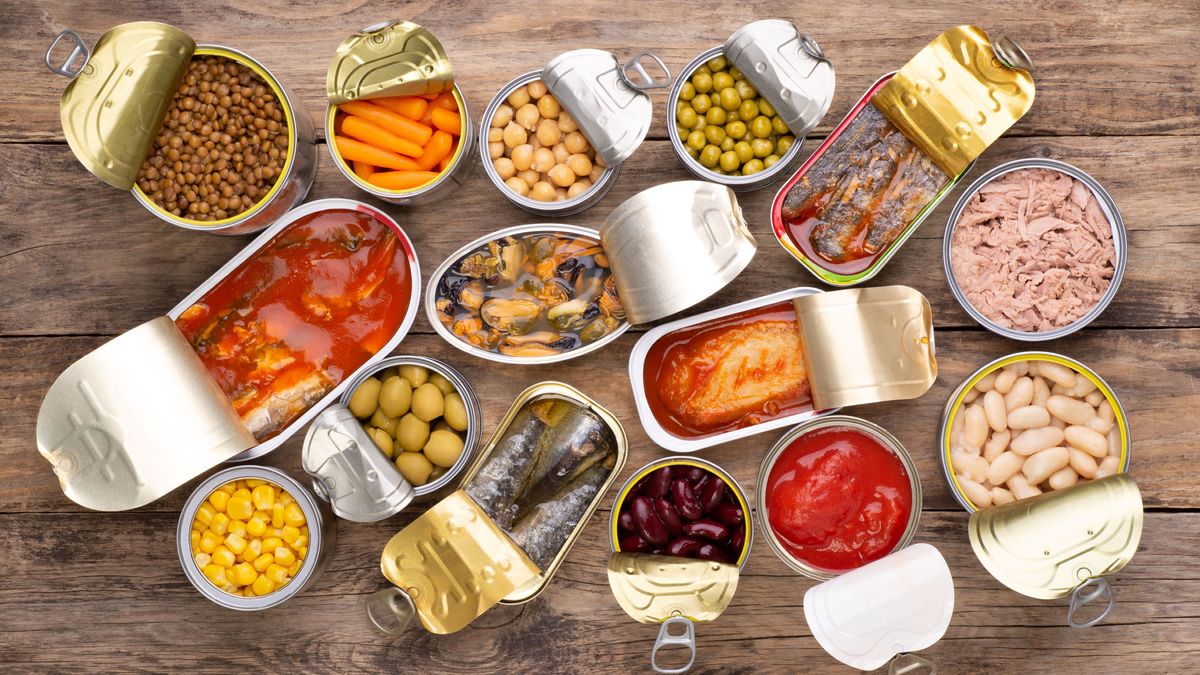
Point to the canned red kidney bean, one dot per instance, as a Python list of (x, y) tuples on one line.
[(682, 511)]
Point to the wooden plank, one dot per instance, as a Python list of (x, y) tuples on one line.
[(1154, 372), (97, 262), (100, 592), (1135, 88)]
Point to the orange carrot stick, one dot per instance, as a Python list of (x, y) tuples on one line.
[(363, 170), (412, 107), (447, 121), (401, 180), (382, 117), (445, 101), (429, 97), (357, 127), (357, 151), (437, 148)]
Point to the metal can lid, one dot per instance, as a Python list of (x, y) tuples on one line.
[(787, 68), (654, 588), (359, 481), (114, 106), (392, 58), (673, 245), (610, 107)]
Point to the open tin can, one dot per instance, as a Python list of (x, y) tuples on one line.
[(321, 535), (608, 102), (397, 58), (118, 99), (353, 474), (508, 296), (788, 69), (681, 589), (931, 111), (501, 537), (789, 354), (143, 414)]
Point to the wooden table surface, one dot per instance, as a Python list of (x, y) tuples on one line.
[(81, 263)]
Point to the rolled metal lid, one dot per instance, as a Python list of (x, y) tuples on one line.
[(113, 108), (1046, 546), (674, 245), (654, 588), (393, 58), (359, 481), (787, 68)]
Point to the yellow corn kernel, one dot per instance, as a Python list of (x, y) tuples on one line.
[(194, 538), (277, 513), (205, 513), (284, 556), (254, 546), (271, 543), (202, 560), (276, 573), (219, 524), (286, 497), (262, 562), (264, 496), (199, 526), (294, 569), (237, 527), (239, 507), (242, 490), (294, 515), (223, 556), (264, 516), (248, 591), (254, 482), (218, 499), (244, 574), (301, 541), (290, 534), (214, 573), (209, 541), (235, 542), (262, 585), (256, 527), (302, 551), (228, 488)]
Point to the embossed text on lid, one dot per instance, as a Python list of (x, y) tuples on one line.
[(787, 68), (396, 58)]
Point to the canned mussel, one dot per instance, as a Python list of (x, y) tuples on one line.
[(553, 140), (398, 126), (1036, 445), (504, 534), (213, 380), (203, 135), (742, 110), (680, 531), (543, 293), (902, 148)]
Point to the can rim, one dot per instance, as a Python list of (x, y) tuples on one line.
[(564, 208), (289, 163), (885, 438), (435, 280), (1107, 205), (316, 537), (955, 402), (739, 183)]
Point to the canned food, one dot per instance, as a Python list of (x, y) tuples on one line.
[(238, 572), (1064, 426), (607, 116), (398, 126), (780, 86), (837, 493), (1075, 224), (138, 131), (212, 381), (680, 531)]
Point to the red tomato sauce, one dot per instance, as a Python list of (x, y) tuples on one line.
[(301, 314), (837, 499)]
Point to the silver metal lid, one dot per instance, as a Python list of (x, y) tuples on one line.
[(673, 245), (787, 68), (610, 107)]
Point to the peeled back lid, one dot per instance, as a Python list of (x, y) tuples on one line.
[(900, 603), (113, 108), (393, 58), (654, 588), (787, 68), (673, 245), (1045, 546), (136, 418)]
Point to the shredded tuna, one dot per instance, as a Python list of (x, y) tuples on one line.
[(1032, 250)]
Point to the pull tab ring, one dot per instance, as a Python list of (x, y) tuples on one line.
[(1012, 54), (78, 48), (910, 664), (810, 47), (666, 638), (1090, 591), (646, 80), (390, 610)]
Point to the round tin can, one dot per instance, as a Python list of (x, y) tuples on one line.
[(1107, 206), (321, 536), (565, 207), (956, 401), (870, 428)]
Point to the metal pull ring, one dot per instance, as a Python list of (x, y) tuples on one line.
[(666, 638), (1012, 54), (78, 48), (645, 80), (809, 46), (390, 610), (910, 664), (1090, 591)]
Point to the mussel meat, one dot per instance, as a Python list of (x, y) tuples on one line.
[(610, 302), (510, 316), (541, 343), (597, 329)]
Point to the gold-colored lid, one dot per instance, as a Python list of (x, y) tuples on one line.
[(135, 419), (394, 58), (654, 588), (1046, 546), (866, 345), (957, 96), (455, 564), (114, 107)]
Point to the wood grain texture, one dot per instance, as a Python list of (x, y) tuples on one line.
[(79, 262)]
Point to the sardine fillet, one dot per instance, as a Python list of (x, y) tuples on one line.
[(544, 529), (268, 416)]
